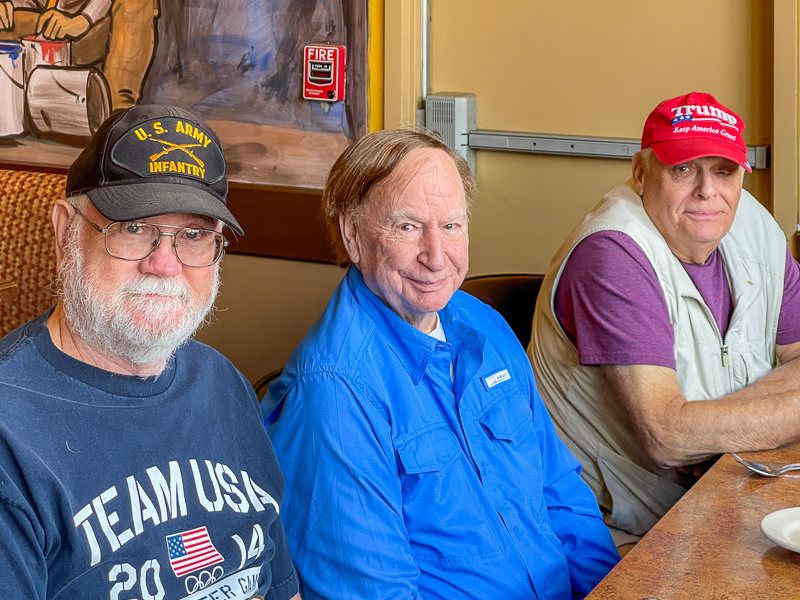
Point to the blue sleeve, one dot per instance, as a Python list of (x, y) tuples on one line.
[(572, 508), (343, 502)]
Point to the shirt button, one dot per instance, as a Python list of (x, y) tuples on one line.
[(517, 532)]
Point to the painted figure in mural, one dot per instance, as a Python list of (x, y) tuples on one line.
[(117, 35), (677, 287), (132, 457), (419, 459)]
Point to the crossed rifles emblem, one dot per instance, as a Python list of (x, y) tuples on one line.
[(169, 147)]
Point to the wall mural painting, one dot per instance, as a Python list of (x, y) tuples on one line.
[(66, 65)]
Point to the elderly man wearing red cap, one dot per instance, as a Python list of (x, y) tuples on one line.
[(676, 287)]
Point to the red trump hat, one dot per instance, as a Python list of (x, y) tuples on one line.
[(692, 126)]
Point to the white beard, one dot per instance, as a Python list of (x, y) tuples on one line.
[(128, 324)]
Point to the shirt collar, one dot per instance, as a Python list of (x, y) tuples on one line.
[(126, 387), (438, 331)]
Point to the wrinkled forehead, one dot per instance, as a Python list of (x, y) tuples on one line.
[(428, 169)]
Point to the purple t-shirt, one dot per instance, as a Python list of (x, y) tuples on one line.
[(611, 305)]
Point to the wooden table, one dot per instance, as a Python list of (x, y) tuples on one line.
[(710, 545)]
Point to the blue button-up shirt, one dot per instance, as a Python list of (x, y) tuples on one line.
[(405, 482)]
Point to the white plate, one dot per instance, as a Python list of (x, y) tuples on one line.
[(783, 528)]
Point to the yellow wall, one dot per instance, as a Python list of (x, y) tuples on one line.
[(593, 69), (265, 308), (568, 67)]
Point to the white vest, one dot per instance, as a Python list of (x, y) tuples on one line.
[(631, 489)]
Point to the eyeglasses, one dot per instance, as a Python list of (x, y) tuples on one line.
[(135, 240)]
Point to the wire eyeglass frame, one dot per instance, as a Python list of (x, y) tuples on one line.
[(157, 242)]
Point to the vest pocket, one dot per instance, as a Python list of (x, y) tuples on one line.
[(444, 510), (754, 368)]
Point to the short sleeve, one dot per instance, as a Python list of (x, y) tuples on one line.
[(285, 584), (21, 556), (789, 318), (610, 304)]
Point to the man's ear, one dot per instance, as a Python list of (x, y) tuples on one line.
[(638, 168), (349, 233), (63, 213)]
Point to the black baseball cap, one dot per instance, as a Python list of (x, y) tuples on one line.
[(153, 160)]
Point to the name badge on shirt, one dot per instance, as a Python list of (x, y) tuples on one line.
[(499, 377)]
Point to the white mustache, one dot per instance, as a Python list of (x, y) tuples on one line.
[(149, 285), (107, 323)]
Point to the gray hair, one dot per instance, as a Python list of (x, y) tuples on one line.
[(79, 201), (368, 162), (648, 156)]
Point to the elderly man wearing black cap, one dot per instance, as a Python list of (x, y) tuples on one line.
[(677, 287), (131, 459)]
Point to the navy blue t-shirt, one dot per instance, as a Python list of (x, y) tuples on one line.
[(119, 487)]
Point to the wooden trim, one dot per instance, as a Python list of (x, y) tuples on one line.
[(785, 128), (402, 87), (34, 168), (280, 223), (375, 77)]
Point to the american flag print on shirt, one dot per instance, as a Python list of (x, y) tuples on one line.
[(191, 550)]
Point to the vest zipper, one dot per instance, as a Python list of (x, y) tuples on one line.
[(737, 316), (726, 361), (723, 344)]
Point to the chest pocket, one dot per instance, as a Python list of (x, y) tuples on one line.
[(444, 508), (428, 451), (509, 418), (512, 441)]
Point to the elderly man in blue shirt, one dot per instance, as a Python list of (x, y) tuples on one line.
[(419, 459)]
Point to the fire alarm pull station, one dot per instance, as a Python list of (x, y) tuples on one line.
[(323, 72)]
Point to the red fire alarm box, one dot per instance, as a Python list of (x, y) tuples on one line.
[(323, 72)]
